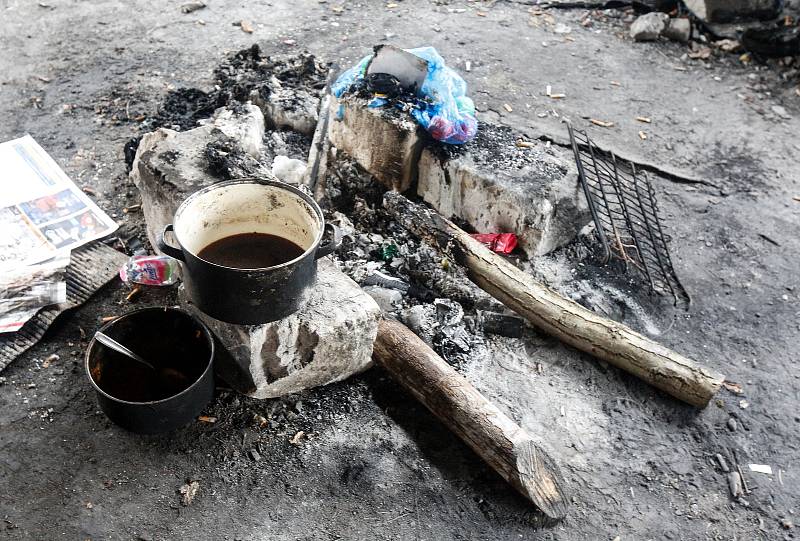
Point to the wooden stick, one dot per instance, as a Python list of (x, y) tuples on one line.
[(506, 447), (556, 315)]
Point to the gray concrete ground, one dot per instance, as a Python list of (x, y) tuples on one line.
[(374, 464)]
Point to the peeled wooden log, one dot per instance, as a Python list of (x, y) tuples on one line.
[(560, 317), (506, 447)]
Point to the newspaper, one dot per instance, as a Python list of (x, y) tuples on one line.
[(43, 215)]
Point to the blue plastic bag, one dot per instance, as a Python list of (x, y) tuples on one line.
[(444, 111)]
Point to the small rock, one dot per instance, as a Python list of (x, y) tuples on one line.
[(387, 299), (255, 455), (735, 484), (781, 112), (649, 26), (732, 425), (723, 464), (421, 319), (678, 30), (787, 524)]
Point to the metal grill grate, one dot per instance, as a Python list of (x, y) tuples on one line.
[(625, 212)]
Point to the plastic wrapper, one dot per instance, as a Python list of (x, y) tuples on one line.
[(501, 243), (150, 270), (442, 106)]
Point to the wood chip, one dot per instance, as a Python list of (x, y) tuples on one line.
[(643, 119), (615, 83), (391, 5), (558, 96), (106, 319), (525, 144), (246, 27), (297, 437), (507, 107), (796, 198), (601, 123), (134, 294), (733, 387), (480, 13), (207, 419), (642, 136), (761, 468), (797, 90), (189, 491)]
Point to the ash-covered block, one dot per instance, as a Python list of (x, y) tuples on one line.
[(287, 87), (326, 341), (499, 186), (383, 140), (725, 11), (171, 165)]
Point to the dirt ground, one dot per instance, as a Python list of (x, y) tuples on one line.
[(374, 464)]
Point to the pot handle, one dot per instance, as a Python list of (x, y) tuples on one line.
[(329, 246), (166, 248)]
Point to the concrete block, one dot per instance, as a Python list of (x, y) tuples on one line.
[(499, 187), (326, 341), (384, 141), (170, 165)]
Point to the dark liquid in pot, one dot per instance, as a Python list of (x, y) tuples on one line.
[(251, 251)]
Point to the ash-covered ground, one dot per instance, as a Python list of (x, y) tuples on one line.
[(360, 459)]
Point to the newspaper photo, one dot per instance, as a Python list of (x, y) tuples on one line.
[(43, 216)]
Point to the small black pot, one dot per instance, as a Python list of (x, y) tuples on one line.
[(140, 399), (249, 296)]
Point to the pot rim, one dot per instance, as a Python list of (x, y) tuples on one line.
[(263, 182), (105, 326)]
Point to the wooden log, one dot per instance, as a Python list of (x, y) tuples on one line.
[(506, 447), (560, 317)]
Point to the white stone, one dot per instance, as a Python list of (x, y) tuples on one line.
[(649, 26), (498, 187), (326, 341), (383, 141), (243, 123), (171, 165)]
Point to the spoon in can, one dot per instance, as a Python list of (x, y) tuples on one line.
[(119, 348), (171, 376)]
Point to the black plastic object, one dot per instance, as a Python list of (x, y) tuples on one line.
[(625, 212), (144, 400), (774, 42)]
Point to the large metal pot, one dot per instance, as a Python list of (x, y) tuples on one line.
[(149, 401), (249, 296)]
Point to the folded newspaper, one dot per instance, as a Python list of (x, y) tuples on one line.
[(43, 216)]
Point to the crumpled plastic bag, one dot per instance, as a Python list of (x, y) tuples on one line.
[(444, 109)]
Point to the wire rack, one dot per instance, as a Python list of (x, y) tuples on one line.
[(625, 212)]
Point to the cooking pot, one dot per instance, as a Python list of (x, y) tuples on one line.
[(242, 206)]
